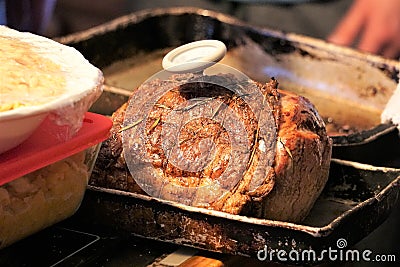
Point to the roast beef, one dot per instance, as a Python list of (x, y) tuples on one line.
[(280, 177)]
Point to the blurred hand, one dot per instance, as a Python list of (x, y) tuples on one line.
[(372, 26)]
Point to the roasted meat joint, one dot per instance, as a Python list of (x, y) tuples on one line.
[(218, 141)]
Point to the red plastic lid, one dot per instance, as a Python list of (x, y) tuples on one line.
[(45, 147)]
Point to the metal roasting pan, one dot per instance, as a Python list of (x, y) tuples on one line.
[(348, 88)]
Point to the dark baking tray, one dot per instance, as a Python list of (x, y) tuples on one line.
[(349, 88)]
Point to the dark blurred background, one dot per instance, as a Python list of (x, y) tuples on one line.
[(313, 18)]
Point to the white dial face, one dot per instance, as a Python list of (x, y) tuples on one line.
[(194, 57)]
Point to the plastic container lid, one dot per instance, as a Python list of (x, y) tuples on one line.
[(45, 146)]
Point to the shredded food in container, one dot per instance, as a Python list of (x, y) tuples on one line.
[(26, 77)]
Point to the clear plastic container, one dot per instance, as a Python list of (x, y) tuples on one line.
[(43, 180)]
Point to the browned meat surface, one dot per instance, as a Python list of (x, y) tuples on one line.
[(285, 190)]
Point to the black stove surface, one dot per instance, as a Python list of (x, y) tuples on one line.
[(60, 245)]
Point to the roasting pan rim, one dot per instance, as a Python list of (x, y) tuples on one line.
[(315, 231)]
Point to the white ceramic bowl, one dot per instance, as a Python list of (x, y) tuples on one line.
[(83, 86)]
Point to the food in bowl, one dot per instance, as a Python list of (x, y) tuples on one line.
[(41, 198), (43, 181), (27, 78), (41, 77)]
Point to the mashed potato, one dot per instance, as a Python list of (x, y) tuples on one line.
[(27, 78), (41, 198)]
